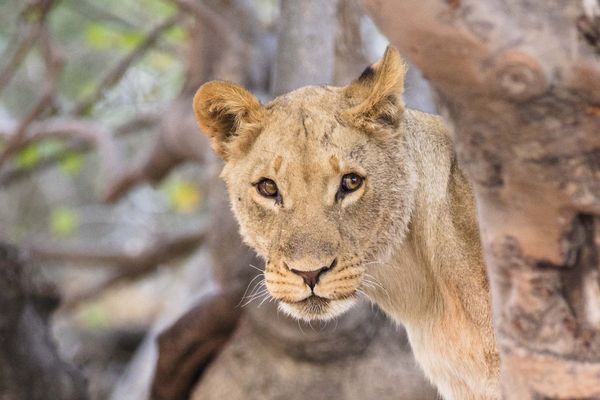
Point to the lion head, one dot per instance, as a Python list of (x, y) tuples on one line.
[(319, 181)]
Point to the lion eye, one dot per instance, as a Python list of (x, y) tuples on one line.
[(351, 182), (267, 188)]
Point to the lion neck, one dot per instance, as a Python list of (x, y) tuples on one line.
[(435, 282), (438, 269)]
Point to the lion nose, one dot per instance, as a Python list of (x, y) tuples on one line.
[(311, 278)]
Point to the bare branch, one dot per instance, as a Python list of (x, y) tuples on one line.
[(81, 131), (206, 15), (16, 140), (114, 75), (158, 164), (15, 174), (137, 123), (41, 8), (130, 266), (54, 65), (80, 138), (95, 12), (161, 250)]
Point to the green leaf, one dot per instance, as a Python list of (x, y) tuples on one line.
[(28, 157), (176, 34), (71, 163), (129, 40), (63, 222), (94, 316), (99, 36)]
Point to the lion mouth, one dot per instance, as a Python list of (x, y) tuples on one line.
[(314, 303), (316, 308)]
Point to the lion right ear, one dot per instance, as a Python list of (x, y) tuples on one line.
[(376, 96), (230, 116)]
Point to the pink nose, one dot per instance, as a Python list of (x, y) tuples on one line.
[(311, 278)]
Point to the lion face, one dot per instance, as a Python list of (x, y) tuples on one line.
[(316, 181)]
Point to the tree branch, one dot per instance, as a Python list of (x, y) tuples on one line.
[(80, 131), (204, 14), (54, 65), (114, 75), (82, 139), (42, 8), (130, 266)]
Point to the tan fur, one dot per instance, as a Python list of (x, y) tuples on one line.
[(407, 238)]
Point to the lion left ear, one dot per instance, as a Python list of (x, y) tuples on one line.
[(377, 94), (230, 116)]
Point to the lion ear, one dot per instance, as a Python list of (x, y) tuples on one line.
[(376, 96), (229, 115)]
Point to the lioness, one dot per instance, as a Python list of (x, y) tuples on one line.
[(345, 192)]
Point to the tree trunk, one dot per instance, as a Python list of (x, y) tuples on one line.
[(306, 44), (30, 368), (520, 84)]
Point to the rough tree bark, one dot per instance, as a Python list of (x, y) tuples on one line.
[(30, 368), (519, 82)]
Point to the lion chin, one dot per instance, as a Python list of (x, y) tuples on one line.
[(317, 308)]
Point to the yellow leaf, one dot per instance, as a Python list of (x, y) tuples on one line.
[(63, 222), (95, 316), (184, 196)]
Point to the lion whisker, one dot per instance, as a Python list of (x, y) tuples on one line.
[(248, 287), (266, 297), (256, 268), (371, 280), (263, 292), (261, 285)]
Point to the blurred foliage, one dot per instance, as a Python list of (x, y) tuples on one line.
[(92, 36), (184, 196), (95, 316), (63, 222), (71, 163), (29, 156)]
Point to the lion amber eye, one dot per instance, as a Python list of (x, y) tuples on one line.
[(351, 182), (267, 188)]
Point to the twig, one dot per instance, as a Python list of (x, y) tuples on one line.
[(159, 251), (42, 8), (158, 164), (114, 75), (206, 15), (15, 174), (85, 131), (53, 64), (96, 13), (15, 141), (80, 141)]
